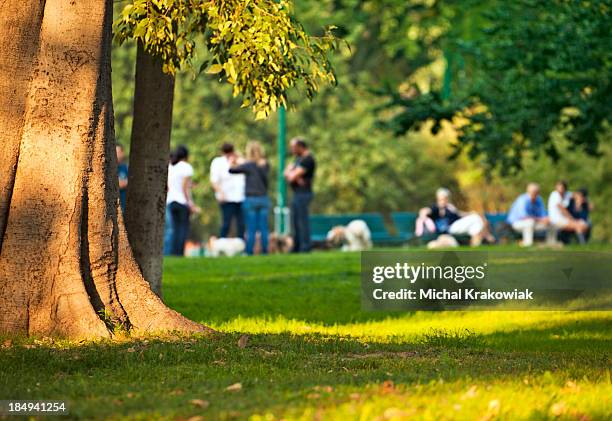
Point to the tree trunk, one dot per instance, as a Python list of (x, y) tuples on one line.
[(148, 175), (66, 267)]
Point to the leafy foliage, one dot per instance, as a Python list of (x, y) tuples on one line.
[(257, 46), (360, 166), (536, 68)]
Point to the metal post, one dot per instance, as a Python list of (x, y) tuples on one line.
[(281, 225), (446, 85)]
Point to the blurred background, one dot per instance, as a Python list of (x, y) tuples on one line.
[(379, 136)]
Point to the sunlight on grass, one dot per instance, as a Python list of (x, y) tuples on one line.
[(439, 400), (410, 327), (296, 340)]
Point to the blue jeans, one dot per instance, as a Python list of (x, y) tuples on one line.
[(300, 222), (256, 209), (168, 232), (179, 221), (229, 211)]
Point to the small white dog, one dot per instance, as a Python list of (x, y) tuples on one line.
[(356, 236), (225, 246), (443, 241)]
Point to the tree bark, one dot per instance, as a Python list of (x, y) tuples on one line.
[(66, 267), (19, 45), (148, 175)]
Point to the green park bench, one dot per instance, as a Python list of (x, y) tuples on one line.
[(321, 224), (404, 223)]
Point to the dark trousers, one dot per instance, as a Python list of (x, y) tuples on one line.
[(179, 221), (229, 211), (300, 223)]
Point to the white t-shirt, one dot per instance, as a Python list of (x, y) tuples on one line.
[(176, 177), (554, 213), (231, 185)]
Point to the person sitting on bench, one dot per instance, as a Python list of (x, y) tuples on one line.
[(559, 215), (579, 208), (528, 215), (444, 218)]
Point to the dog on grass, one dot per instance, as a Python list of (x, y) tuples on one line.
[(225, 246), (443, 241), (279, 244), (356, 236)]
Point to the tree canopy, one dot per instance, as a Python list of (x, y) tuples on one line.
[(257, 46), (535, 68)]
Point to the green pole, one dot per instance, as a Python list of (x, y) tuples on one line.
[(281, 193), (446, 86)]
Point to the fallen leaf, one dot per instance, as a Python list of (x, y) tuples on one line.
[(394, 413), (234, 387), (388, 386), (242, 342), (200, 403), (471, 393), (558, 409), (131, 349), (196, 418), (7, 343)]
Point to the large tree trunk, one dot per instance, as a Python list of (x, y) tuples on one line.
[(148, 175), (66, 267)]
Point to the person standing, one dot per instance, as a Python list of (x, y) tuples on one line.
[(229, 191), (122, 170), (528, 215), (179, 202), (256, 205), (300, 175)]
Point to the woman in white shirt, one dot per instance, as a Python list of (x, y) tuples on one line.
[(179, 203)]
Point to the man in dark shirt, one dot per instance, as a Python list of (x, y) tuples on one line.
[(300, 174), (122, 170)]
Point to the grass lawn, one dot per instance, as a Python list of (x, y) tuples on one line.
[(312, 354)]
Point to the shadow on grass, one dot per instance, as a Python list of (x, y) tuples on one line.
[(161, 376)]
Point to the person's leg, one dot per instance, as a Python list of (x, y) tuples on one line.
[(168, 232), (295, 225), (184, 222), (226, 218), (526, 227), (471, 225), (551, 232), (302, 221), (306, 246), (263, 223), (424, 225), (250, 212), (240, 220), (176, 228)]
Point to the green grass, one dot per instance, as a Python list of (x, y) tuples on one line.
[(313, 354)]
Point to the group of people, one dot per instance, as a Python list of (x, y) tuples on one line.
[(566, 213), (240, 184)]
